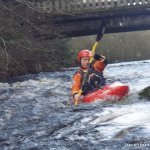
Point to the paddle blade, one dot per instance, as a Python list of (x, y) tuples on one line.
[(101, 31)]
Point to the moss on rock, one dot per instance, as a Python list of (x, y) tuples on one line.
[(145, 93)]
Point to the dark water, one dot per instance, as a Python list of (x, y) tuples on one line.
[(35, 114)]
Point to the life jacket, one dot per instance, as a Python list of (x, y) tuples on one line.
[(94, 80)]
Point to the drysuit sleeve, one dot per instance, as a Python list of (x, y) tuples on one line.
[(100, 62), (76, 85)]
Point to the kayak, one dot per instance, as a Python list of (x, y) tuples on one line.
[(112, 92)]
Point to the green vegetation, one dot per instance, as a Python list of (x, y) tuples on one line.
[(117, 47)]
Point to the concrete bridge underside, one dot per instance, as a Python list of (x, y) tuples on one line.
[(84, 25), (72, 18)]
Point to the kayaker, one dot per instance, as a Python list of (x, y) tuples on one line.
[(94, 79)]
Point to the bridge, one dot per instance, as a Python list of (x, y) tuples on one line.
[(72, 18)]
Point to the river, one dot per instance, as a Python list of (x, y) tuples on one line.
[(35, 114)]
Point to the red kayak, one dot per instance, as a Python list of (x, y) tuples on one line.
[(112, 92)]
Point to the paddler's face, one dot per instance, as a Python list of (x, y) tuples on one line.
[(85, 62)]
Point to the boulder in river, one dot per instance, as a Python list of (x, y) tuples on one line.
[(145, 93)]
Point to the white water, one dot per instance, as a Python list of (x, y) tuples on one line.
[(34, 114)]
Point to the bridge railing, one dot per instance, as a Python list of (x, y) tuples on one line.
[(79, 6)]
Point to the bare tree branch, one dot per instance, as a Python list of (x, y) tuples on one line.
[(25, 19), (4, 51)]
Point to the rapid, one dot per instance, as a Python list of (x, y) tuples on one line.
[(35, 113)]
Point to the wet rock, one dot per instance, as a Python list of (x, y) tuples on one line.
[(145, 93)]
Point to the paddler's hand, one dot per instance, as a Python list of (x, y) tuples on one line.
[(101, 58), (78, 97)]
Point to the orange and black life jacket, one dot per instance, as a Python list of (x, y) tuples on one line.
[(94, 80)]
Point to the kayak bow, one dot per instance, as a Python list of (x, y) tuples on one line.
[(112, 92)]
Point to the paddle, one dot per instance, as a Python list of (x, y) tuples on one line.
[(99, 37)]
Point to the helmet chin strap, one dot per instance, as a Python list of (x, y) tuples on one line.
[(83, 67)]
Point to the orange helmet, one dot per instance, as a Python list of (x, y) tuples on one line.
[(84, 53)]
